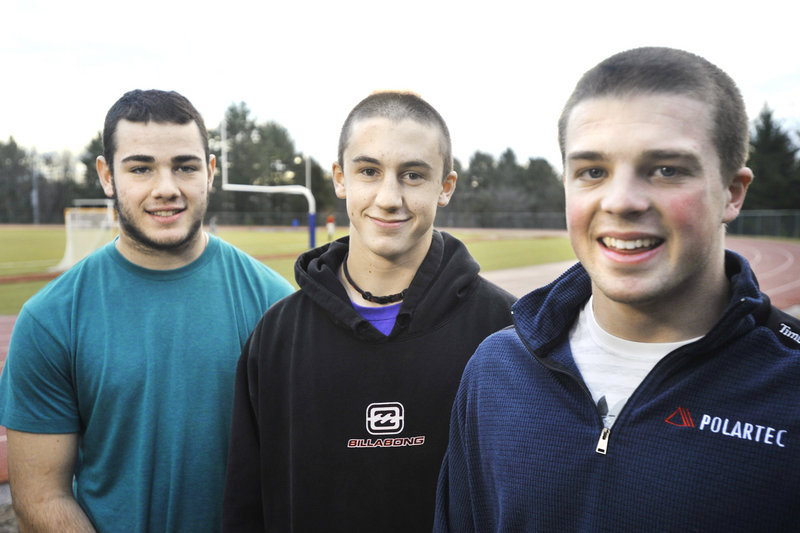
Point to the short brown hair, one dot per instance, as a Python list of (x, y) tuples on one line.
[(654, 70), (396, 106), (145, 106)]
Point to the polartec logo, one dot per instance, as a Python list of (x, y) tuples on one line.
[(681, 418), (727, 427)]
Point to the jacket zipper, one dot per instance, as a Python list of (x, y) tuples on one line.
[(605, 433), (602, 444)]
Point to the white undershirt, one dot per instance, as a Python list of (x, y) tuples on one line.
[(612, 367)]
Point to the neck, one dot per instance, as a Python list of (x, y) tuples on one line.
[(383, 284), (660, 321), (153, 259), (368, 296)]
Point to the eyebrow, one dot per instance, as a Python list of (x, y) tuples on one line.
[(649, 155), (688, 157), (414, 163), (139, 158), (586, 155)]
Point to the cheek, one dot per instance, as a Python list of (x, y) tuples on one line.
[(688, 211), (577, 210), (424, 206)]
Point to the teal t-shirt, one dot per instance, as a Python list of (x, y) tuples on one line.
[(141, 364)]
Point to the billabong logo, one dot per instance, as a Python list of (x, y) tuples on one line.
[(385, 418), (681, 418)]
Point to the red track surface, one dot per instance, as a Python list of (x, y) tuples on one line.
[(776, 264), (777, 267)]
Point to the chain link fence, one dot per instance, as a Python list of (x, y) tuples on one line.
[(767, 223), (763, 223)]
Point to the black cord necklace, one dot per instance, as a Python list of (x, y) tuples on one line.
[(368, 296)]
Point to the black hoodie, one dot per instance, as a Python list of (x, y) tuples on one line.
[(337, 427)]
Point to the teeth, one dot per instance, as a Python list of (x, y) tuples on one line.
[(164, 213), (635, 244)]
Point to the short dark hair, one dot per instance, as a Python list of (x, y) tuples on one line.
[(145, 106), (396, 106), (656, 70)]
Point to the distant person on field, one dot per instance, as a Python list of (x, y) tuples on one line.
[(344, 390), (120, 372), (652, 387), (330, 224)]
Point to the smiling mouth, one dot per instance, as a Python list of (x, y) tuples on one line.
[(384, 222), (166, 212), (632, 245)]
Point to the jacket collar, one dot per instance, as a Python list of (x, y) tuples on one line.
[(543, 318)]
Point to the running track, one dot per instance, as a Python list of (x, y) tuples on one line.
[(776, 264)]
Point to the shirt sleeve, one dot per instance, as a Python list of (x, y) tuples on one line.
[(37, 392)]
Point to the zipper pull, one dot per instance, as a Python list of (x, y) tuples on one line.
[(602, 444)]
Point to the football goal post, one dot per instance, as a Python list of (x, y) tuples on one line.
[(272, 189), (90, 224)]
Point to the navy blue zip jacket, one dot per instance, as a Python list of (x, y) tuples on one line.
[(709, 441)]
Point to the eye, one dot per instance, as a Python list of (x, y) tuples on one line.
[(186, 169), (413, 176), (593, 173), (369, 172), (138, 170), (669, 172)]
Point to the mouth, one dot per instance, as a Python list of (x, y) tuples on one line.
[(631, 245), (388, 223), (165, 213)]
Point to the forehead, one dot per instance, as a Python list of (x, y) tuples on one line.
[(640, 122), (158, 139), (405, 138)]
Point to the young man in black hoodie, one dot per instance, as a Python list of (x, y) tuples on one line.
[(344, 389)]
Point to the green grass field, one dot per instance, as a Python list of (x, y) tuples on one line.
[(36, 249)]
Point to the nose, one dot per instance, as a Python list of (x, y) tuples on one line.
[(625, 193), (165, 185), (389, 195)]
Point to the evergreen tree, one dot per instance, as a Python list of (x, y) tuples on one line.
[(16, 183), (90, 186), (773, 161)]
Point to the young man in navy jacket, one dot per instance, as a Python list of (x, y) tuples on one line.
[(652, 386)]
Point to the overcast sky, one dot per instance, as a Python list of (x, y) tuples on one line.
[(499, 71)]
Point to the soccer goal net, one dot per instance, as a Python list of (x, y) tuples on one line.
[(89, 225)]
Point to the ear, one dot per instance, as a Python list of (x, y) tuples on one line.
[(106, 179), (448, 188), (212, 165), (338, 181), (735, 192)]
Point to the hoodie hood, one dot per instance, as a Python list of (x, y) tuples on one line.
[(447, 275)]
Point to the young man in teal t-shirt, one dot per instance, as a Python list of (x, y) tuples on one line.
[(117, 391)]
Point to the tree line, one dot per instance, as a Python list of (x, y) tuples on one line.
[(35, 188)]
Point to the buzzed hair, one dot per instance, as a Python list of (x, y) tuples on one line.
[(146, 106), (655, 70), (396, 106)]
